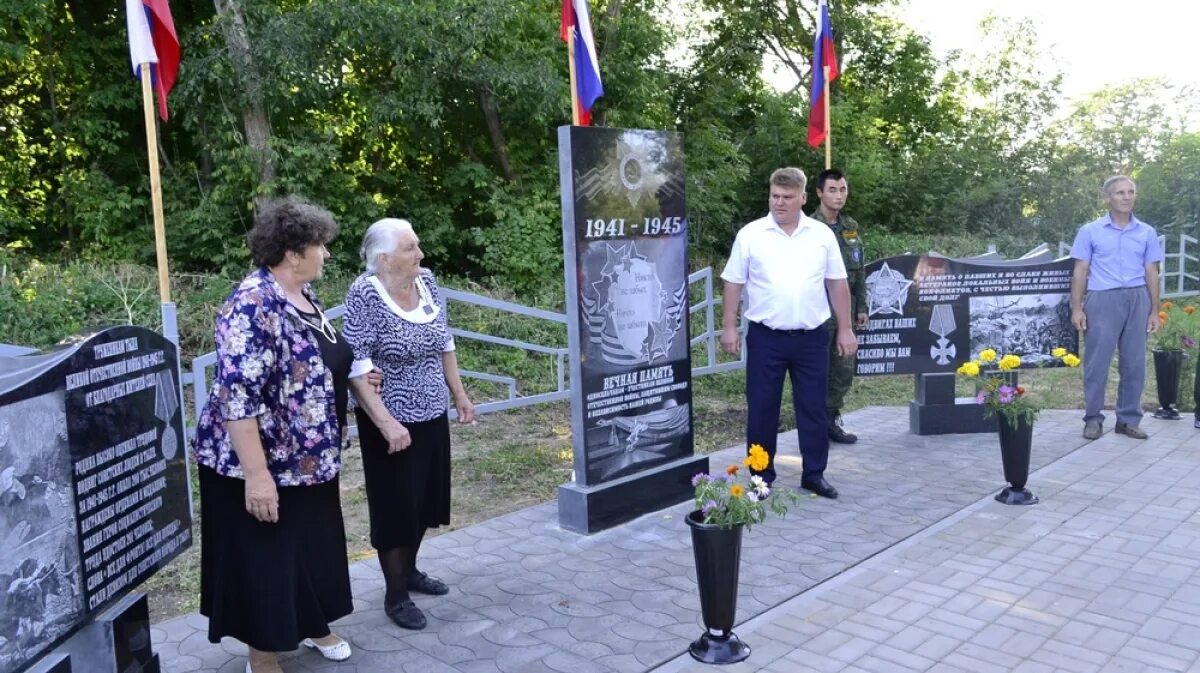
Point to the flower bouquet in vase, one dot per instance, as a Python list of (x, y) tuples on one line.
[(1179, 329), (998, 391), (727, 503)]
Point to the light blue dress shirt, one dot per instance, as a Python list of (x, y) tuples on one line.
[(1117, 257)]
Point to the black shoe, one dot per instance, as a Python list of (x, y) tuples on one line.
[(406, 615), (840, 436), (1196, 424), (819, 486), (424, 584)]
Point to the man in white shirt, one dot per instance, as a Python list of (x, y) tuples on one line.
[(790, 267)]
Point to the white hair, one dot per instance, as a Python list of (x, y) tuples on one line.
[(1112, 182), (382, 237)]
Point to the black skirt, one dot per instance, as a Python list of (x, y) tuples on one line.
[(408, 491), (271, 585)]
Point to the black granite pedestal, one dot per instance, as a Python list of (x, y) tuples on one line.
[(588, 509), (116, 641), (935, 410)]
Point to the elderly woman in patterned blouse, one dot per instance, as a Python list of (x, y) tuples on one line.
[(395, 321), (273, 569)]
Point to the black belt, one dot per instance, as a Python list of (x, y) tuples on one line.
[(788, 332)]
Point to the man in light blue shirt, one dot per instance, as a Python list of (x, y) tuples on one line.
[(1116, 264)]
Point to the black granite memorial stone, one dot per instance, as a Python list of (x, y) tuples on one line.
[(93, 482), (928, 314), (626, 261)]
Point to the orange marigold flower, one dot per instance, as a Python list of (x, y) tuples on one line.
[(1162, 315), (1189, 309), (732, 470), (1020, 390), (736, 491), (1167, 306), (758, 460)]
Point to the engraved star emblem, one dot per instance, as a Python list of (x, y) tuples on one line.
[(887, 290), (660, 340)]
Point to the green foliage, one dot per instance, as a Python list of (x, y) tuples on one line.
[(525, 244), (444, 113), (43, 303), (1179, 326)]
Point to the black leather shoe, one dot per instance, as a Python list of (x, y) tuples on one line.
[(819, 486), (837, 434), (424, 584), (406, 615)]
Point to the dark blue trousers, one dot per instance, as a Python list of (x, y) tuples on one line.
[(804, 356)]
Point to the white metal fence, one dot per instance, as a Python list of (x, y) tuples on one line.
[(708, 338)]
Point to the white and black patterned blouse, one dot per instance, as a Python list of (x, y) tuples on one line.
[(407, 346)]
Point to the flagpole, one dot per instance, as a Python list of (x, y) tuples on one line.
[(828, 123), (574, 87), (160, 239)]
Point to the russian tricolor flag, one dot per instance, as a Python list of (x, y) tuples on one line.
[(152, 40), (587, 66), (823, 56)]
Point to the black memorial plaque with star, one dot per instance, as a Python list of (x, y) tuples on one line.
[(625, 243), (95, 488), (928, 314)]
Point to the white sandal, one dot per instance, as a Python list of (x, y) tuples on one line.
[(337, 652)]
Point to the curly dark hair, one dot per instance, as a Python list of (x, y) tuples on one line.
[(288, 223)]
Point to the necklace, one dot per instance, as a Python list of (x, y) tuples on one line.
[(322, 325)]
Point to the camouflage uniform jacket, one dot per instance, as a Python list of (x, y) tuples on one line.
[(854, 255)]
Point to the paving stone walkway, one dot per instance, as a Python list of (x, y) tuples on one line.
[(1103, 575), (914, 541)]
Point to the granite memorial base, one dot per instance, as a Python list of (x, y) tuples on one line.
[(935, 410), (116, 641), (588, 509)]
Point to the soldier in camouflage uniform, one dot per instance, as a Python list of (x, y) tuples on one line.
[(832, 191)]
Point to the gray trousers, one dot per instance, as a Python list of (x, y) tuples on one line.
[(1116, 321)]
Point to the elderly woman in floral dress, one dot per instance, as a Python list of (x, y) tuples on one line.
[(273, 568)]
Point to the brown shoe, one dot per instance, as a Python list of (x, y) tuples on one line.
[(1130, 431), (1093, 430)]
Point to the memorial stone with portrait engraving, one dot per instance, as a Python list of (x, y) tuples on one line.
[(928, 314), (93, 482)]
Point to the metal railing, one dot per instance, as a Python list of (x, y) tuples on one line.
[(198, 378)]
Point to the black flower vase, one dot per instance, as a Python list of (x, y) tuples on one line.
[(718, 553), (1167, 366), (1016, 444)]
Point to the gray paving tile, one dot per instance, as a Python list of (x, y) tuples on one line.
[(896, 575)]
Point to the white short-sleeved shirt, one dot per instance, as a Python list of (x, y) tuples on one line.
[(784, 275)]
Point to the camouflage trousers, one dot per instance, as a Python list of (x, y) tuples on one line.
[(841, 375)]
